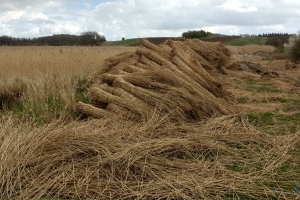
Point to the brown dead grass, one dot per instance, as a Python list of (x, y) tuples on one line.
[(276, 96), (112, 158)]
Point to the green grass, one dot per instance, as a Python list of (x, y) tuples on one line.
[(243, 100), (261, 119), (42, 110), (46, 105), (268, 89), (276, 124), (11, 94), (82, 90), (127, 42), (290, 105), (251, 81), (290, 101), (258, 86), (246, 41)]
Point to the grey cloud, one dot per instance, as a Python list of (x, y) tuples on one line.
[(242, 19), (153, 15), (134, 18)]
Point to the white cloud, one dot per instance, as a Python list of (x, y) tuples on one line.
[(233, 30), (274, 27), (32, 16), (66, 27), (14, 14), (238, 6), (148, 18)]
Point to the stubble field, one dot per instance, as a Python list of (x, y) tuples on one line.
[(48, 151)]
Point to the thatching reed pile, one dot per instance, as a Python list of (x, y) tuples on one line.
[(176, 78)]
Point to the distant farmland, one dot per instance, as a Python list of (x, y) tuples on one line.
[(159, 40), (222, 39)]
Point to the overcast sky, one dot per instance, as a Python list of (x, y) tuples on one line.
[(147, 18)]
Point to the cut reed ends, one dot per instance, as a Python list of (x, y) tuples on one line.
[(91, 110)]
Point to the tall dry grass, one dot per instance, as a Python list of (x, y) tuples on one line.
[(43, 83), (38, 62)]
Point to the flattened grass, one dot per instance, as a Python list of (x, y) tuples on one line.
[(157, 159)]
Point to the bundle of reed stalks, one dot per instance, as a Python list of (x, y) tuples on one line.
[(176, 78)]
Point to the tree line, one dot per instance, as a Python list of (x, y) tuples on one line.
[(89, 38), (276, 39), (196, 34), (202, 33), (274, 35)]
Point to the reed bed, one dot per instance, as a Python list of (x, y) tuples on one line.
[(44, 83), (40, 61)]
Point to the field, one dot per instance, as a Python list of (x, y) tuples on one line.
[(136, 41), (227, 40), (251, 48), (48, 151), (223, 39), (126, 42), (246, 41)]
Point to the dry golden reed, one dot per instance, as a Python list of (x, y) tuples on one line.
[(43, 83), (113, 158), (39, 61)]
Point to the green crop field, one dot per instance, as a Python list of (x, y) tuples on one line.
[(247, 41)]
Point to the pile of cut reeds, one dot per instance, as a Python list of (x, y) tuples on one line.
[(112, 158), (176, 78)]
